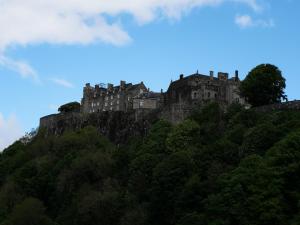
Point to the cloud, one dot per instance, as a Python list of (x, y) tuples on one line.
[(84, 22), (69, 22), (246, 21), (21, 67), (62, 82), (10, 131)]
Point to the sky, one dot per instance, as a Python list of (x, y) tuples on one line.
[(49, 49)]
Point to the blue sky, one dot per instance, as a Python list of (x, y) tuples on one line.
[(50, 49)]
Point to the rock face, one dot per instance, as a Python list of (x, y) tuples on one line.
[(117, 126)]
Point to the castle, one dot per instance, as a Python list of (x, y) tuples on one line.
[(127, 109), (175, 104)]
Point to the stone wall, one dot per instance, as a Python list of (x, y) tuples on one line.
[(117, 126), (290, 105)]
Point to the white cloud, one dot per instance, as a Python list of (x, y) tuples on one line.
[(62, 82), (245, 21), (83, 21), (29, 22), (10, 131), (21, 67)]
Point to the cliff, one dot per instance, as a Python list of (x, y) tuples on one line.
[(117, 126)]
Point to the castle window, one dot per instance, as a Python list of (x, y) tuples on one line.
[(118, 102), (111, 108), (105, 103), (111, 103), (208, 94), (98, 103), (118, 95), (237, 100), (112, 97), (118, 108), (216, 95), (195, 94)]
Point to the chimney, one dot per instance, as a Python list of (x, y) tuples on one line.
[(236, 75), (211, 75), (161, 91), (88, 85), (181, 76), (122, 83), (110, 86)]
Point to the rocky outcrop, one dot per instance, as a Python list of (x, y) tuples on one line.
[(117, 126)]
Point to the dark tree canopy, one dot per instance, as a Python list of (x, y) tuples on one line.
[(70, 107), (264, 85), (239, 167)]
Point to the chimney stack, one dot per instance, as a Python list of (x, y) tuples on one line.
[(122, 83), (211, 75), (236, 75), (181, 76)]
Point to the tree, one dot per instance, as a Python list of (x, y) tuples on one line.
[(30, 211), (70, 107), (264, 85)]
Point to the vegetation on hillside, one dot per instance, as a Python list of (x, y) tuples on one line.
[(239, 167)]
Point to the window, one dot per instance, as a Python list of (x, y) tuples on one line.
[(195, 95), (112, 97), (111, 108), (118, 102), (208, 94), (111, 103), (237, 100), (106, 98), (118, 95), (98, 103), (216, 95), (105, 103)]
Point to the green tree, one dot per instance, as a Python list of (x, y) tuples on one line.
[(263, 85), (70, 107), (31, 212)]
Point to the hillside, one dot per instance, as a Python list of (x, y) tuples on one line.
[(241, 167)]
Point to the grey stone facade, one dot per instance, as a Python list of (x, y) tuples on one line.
[(181, 97), (124, 97), (197, 90)]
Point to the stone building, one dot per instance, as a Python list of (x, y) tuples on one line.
[(176, 104), (124, 97), (198, 89)]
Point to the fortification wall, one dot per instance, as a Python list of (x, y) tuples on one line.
[(290, 105), (117, 126)]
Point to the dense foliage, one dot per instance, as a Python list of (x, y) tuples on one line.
[(263, 85), (70, 107), (239, 167)]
